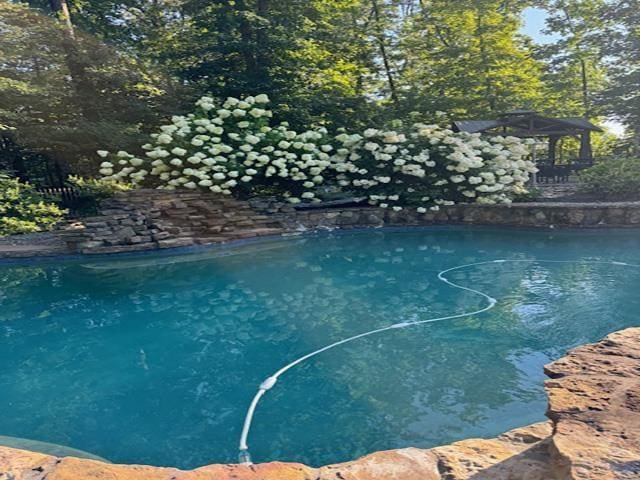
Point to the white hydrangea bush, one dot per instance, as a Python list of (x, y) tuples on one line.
[(432, 166), (228, 149), (232, 149)]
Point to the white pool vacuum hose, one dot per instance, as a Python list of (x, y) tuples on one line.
[(269, 382)]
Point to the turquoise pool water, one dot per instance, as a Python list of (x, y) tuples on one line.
[(155, 359)]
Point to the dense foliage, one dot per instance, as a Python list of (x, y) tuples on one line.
[(231, 148), (22, 210), (64, 94), (616, 179), (78, 75), (90, 191), (467, 58), (431, 166)]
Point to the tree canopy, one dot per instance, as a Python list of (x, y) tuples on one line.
[(79, 75)]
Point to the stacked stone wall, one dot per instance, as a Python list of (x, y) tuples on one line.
[(152, 219)]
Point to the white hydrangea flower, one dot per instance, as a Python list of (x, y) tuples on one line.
[(377, 163), (257, 112), (164, 138)]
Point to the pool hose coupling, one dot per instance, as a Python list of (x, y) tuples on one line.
[(400, 324), (244, 457), (268, 383)]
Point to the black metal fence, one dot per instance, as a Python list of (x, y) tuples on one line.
[(549, 173), (66, 196)]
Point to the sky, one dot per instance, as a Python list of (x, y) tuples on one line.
[(534, 19), (533, 26)]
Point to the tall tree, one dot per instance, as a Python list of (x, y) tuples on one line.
[(380, 16), (311, 56), (621, 43), (468, 58), (334, 62), (76, 63), (575, 69), (51, 106)]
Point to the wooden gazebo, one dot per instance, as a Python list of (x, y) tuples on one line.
[(530, 124)]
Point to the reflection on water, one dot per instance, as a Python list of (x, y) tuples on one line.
[(154, 359)]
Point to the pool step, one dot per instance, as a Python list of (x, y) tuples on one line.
[(47, 448)]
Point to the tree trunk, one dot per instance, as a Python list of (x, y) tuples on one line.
[(380, 37), (246, 34), (585, 88), (586, 153), (553, 143), (85, 92), (488, 85), (62, 9), (262, 38), (584, 79)]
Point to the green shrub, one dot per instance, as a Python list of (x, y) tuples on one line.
[(92, 190), (233, 148), (528, 195), (23, 210), (615, 178), (99, 188)]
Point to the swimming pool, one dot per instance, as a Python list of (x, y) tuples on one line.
[(154, 359)]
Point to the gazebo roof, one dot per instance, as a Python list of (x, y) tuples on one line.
[(527, 123)]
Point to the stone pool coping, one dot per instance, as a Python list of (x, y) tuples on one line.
[(593, 434), (148, 220)]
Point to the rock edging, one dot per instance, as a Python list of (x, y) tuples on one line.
[(593, 434), (142, 220), (594, 404), (147, 220)]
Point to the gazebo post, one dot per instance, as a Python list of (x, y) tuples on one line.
[(533, 180), (553, 142), (586, 154)]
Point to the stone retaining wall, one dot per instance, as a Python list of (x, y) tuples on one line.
[(151, 219)]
